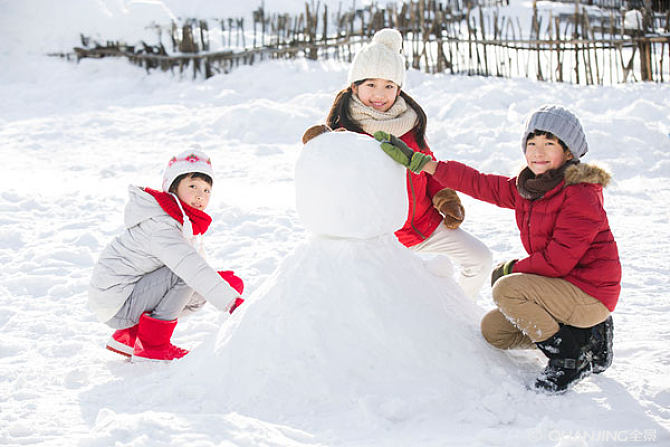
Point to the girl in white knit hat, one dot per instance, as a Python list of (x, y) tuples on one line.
[(374, 101), (154, 271)]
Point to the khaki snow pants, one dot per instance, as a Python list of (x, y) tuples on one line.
[(530, 308)]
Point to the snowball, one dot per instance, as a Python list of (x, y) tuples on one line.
[(346, 186)]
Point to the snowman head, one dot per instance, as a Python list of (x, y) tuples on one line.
[(347, 187)]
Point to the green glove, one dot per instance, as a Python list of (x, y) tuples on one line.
[(401, 153), (502, 269)]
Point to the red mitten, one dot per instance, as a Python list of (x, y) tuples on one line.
[(236, 304), (233, 280), (236, 283)]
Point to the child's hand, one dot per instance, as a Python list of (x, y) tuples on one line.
[(502, 269), (401, 153), (236, 283), (449, 205), (235, 305)]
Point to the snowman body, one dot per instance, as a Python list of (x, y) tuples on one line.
[(351, 325)]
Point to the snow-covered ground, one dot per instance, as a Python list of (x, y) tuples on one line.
[(72, 137)]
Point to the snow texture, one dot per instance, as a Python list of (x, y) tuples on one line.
[(353, 326), (334, 346)]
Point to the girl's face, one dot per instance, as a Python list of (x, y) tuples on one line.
[(380, 94), (194, 192), (544, 153)]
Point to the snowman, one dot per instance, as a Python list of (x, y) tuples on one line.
[(351, 326)]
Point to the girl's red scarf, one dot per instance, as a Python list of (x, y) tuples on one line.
[(199, 219)]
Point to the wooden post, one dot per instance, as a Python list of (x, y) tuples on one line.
[(187, 45), (325, 29), (588, 72), (612, 51), (204, 35), (223, 34), (467, 19), (497, 37), (482, 32), (660, 62), (262, 17), (255, 19), (575, 36), (424, 37), (550, 32), (414, 25), (173, 36), (598, 78), (559, 60), (644, 45), (536, 30)]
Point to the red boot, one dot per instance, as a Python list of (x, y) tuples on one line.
[(153, 341), (123, 341)]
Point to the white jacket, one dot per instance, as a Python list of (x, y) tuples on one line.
[(152, 239)]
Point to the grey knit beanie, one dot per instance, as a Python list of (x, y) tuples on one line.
[(561, 122)]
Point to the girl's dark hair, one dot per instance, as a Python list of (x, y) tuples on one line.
[(536, 133), (339, 114), (200, 175)]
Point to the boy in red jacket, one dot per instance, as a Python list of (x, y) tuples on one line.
[(560, 296)]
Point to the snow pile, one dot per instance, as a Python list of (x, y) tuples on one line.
[(346, 186), (75, 135), (349, 328)]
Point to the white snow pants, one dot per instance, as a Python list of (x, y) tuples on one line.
[(470, 253)]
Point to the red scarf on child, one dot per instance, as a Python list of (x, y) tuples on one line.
[(199, 219)]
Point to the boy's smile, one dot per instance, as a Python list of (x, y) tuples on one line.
[(545, 153)]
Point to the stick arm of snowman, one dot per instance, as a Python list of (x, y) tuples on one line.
[(403, 154)]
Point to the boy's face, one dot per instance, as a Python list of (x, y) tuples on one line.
[(545, 153), (194, 192), (380, 94)]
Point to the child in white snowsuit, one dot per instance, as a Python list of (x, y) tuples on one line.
[(154, 271), (375, 101), (559, 297)]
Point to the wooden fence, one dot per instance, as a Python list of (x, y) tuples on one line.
[(438, 37)]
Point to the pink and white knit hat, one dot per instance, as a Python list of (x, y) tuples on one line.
[(185, 163)]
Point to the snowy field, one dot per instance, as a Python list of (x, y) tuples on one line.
[(72, 137)]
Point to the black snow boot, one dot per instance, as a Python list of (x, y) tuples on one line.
[(568, 362), (598, 341), (602, 337)]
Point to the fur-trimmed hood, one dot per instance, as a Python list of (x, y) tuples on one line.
[(586, 173)]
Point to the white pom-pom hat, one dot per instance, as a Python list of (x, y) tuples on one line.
[(380, 59), (184, 163)]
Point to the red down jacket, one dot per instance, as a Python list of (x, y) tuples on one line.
[(566, 232), (422, 218)]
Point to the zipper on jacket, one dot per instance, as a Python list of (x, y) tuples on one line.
[(411, 221), (530, 210)]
